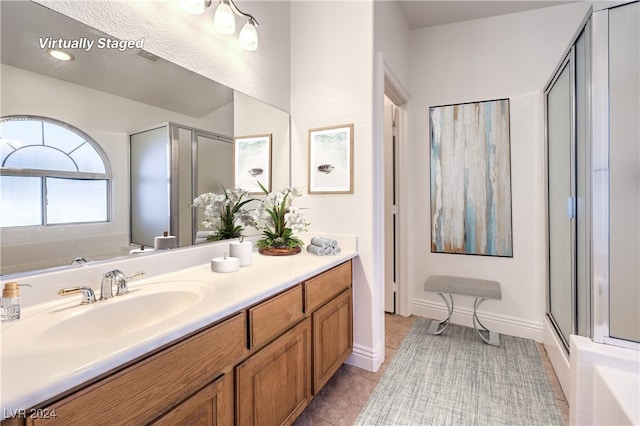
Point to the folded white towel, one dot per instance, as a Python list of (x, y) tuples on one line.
[(314, 249), (323, 242)]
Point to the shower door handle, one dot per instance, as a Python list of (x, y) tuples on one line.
[(571, 207)]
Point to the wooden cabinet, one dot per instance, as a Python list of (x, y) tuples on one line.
[(212, 406), (328, 299), (142, 392), (261, 366), (332, 338), (274, 385)]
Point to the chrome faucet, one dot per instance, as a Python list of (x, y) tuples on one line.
[(88, 296), (118, 278)]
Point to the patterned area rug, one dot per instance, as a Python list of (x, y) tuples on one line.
[(455, 379)]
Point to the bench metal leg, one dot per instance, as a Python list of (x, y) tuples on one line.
[(494, 338), (436, 327)]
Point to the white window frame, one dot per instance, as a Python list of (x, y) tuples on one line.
[(74, 175)]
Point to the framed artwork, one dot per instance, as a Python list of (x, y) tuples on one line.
[(331, 160), (252, 162), (471, 178)]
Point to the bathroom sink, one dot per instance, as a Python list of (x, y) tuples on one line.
[(75, 325), (114, 318)]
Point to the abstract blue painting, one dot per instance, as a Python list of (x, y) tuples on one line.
[(471, 179)]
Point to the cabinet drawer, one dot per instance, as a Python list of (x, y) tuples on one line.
[(272, 317), (321, 288), (139, 393)]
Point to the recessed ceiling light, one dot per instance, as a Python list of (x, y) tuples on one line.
[(61, 55)]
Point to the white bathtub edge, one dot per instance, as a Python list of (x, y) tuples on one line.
[(608, 375)]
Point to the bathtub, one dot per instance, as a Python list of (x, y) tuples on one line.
[(604, 384)]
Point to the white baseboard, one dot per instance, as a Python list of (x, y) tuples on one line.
[(366, 358), (502, 324)]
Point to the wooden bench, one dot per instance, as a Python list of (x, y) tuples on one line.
[(480, 289)]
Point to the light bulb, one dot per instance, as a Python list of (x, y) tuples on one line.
[(61, 55), (248, 38), (223, 20), (193, 6)]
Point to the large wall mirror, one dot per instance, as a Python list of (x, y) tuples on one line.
[(110, 94)]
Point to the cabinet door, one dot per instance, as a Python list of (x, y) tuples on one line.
[(274, 386), (332, 338), (213, 405)]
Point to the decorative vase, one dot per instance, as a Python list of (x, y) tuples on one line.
[(279, 251)]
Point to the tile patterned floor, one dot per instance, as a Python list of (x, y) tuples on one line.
[(344, 396)]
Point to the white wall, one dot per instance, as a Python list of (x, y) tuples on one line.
[(256, 118), (331, 84), (510, 56), (191, 41), (223, 119), (392, 38)]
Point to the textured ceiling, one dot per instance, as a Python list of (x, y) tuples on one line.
[(427, 13), (122, 73)]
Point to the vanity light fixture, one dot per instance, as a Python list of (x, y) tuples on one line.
[(224, 20), (248, 38), (61, 55), (195, 7)]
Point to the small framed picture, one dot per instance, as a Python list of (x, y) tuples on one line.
[(252, 162), (331, 160)]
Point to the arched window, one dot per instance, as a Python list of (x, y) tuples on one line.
[(51, 173)]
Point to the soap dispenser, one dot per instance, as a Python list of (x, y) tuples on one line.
[(10, 305)]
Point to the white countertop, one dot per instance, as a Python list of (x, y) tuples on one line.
[(31, 375)]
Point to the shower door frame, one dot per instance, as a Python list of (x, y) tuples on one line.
[(568, 62), (174, 180), (601, 131), (581, 201)]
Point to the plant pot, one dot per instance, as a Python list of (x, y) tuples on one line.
[(273, 251)]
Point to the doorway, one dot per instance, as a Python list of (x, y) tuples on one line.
[(391, 198), (393, 178)]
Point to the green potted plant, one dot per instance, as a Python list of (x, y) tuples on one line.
[(279, 220), (221, 211)]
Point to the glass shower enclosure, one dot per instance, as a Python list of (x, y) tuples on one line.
[(169, 166), (568, 198), (592, 107)]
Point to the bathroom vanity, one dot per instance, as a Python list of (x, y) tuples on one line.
[(267, 339)]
